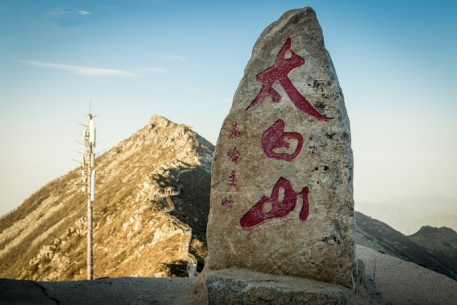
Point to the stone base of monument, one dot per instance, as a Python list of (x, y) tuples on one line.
[(240, 286)]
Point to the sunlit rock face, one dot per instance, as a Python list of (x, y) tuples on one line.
[(138, 229), (281, 190)]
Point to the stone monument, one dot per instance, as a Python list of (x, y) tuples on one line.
[(281, 190)]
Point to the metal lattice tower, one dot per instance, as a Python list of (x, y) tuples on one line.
[(88, 173)]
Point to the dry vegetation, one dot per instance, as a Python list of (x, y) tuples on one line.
[(134, 234)]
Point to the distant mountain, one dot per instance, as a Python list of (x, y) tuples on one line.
[(439, 242), (432, 248), (408, 215), (138, 230)]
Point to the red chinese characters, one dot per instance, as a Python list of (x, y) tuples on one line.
[(286, 61), (269, 208), (233, 179), (235, 133), (227, 202), (234, 155), (274, 138), (281, 145)]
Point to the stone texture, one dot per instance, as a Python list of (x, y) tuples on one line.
[(281, 190), (236, 286)]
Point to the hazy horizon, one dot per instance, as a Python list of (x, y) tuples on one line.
[(183, 60)]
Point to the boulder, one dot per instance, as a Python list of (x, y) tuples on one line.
[(281, 189)]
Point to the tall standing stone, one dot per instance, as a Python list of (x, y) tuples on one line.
[(281, 190)]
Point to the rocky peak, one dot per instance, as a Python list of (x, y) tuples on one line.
[(433, 248), (139, 228), (430, 232)]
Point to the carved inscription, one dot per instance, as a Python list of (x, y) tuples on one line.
[(286, 61), (227, 202), (276, 207), (235, 133), (234, 155), (279, 144), (233, 178), (274, 138)]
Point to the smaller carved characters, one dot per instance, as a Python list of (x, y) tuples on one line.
[(234, 155), (228, 201), (235, 133), (233, 179)]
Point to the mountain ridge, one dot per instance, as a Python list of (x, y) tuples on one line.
[(417, 249), (131, 218)]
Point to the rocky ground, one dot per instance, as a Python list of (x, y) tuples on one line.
[(398, 281)]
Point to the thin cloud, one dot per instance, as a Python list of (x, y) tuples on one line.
[(57, 12), (84, 13), (60, 12), (174, 57), (80, 69), (153, 70)]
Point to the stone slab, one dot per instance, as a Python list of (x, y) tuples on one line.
[(236, 286)]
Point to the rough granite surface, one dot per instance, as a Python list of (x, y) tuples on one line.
[(281, 191), (235, 286)]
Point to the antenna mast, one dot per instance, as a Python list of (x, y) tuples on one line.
[(89, 185)]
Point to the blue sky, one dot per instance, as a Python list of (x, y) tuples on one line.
[(395, 61)]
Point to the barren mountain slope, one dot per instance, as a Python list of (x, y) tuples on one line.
[(379, 236), (438, 242), (137, 232)]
